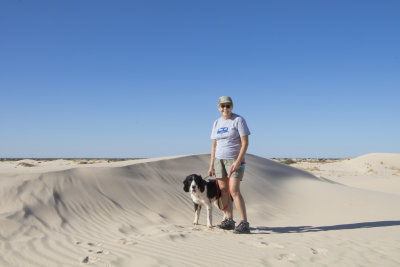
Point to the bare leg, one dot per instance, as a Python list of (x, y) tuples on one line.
[(226, 199), (234, 185)]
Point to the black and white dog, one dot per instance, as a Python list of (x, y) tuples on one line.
[(202, 192)]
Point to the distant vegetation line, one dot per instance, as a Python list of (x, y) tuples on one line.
[(50, 159)]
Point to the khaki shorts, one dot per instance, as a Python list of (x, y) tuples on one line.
[(222, 169)]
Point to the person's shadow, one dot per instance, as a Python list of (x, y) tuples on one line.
[(307, 229)]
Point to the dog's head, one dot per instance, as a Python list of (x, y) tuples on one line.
[(194, 182)]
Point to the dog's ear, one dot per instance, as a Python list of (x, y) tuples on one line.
[(186, 184)]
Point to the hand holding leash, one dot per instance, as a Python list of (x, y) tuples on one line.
[(211, 173)]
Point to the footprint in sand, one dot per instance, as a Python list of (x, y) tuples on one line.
[(319, 251), (105, 252), (287, 257), (97, 244), (91, 244), (176, 236), (90, 259), (201, 228), (127, 241), (270, 245), (99, 252)]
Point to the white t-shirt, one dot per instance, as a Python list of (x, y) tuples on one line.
[(228, 133)]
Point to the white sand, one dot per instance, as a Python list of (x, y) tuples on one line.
[(377, 171), (136, 213)]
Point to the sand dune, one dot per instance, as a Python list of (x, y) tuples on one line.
[(375, 171), (135, 213)]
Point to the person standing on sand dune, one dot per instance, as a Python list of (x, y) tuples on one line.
[(230, 139)]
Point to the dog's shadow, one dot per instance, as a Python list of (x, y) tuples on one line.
[(308, 229)]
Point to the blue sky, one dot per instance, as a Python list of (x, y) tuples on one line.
[(142, 78)]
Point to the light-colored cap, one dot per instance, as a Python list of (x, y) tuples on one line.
[(224, 99)]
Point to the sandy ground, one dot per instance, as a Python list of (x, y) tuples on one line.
[(377, 171), (135, 213)]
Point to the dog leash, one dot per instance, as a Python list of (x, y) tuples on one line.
[(217, 186)]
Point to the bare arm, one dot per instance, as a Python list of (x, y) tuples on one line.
[(213, 146), (243, 149)]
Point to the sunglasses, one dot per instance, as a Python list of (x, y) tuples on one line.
[(226, 106)]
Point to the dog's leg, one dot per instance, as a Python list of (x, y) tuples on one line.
[(197, 209), (209, 216)]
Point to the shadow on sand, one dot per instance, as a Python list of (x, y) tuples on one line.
[(307, 229)]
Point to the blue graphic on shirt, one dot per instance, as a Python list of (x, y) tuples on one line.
[(222, 130)]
